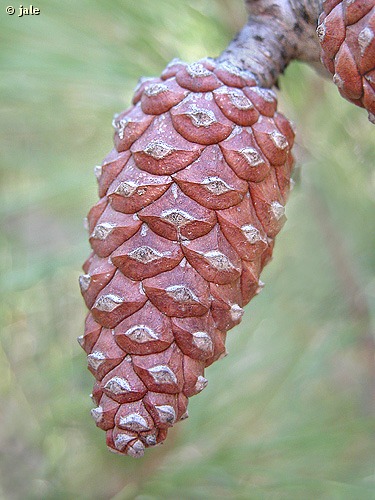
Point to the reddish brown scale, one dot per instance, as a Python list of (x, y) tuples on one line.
[(226, 305), (176, 216), (111, 230), (199, 119), (199, 338), (162, 373), (163, 408), (95, 213), (192, 197), (355, 10), (347, 35), (110, 168), (285, 127), (119, 299), (328, 5), (269, 204), (130, 125), (250, 283), (213, 257), (263, 99), (244, 156), (99, 274), (134, 418), (283, 173), (122, 384), (146, 254), (104, 414), (166, 410), (157, 98), (143, 82), (161, 150), (173, 68), (271, 141), (241, 227), (236, 106), (201, 182), (197, 78), (194, 380), (105, 355), (145, 332), (134, 189), (87, 263), (91, 334), (97, 393), (233, 76), (219, 347), (195, 336), (124, 442), (181, 292)]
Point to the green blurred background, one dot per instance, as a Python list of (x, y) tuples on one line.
[(289, 414)]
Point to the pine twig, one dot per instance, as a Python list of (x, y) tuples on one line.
[(277, 32)]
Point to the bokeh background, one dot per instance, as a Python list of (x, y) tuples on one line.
[(289, 414)]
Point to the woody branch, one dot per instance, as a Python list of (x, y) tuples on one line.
[(277, 31)]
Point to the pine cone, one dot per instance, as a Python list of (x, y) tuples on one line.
[(191, 199), (347, 35)]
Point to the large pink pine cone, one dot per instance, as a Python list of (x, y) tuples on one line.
[(191, 199), (347, 35)]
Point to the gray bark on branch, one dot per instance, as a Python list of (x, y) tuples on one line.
[(277, 32)]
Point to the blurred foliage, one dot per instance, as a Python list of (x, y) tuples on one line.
[(288, 414)]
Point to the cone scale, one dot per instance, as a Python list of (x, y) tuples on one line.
[(346, 33), (191, 199)]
